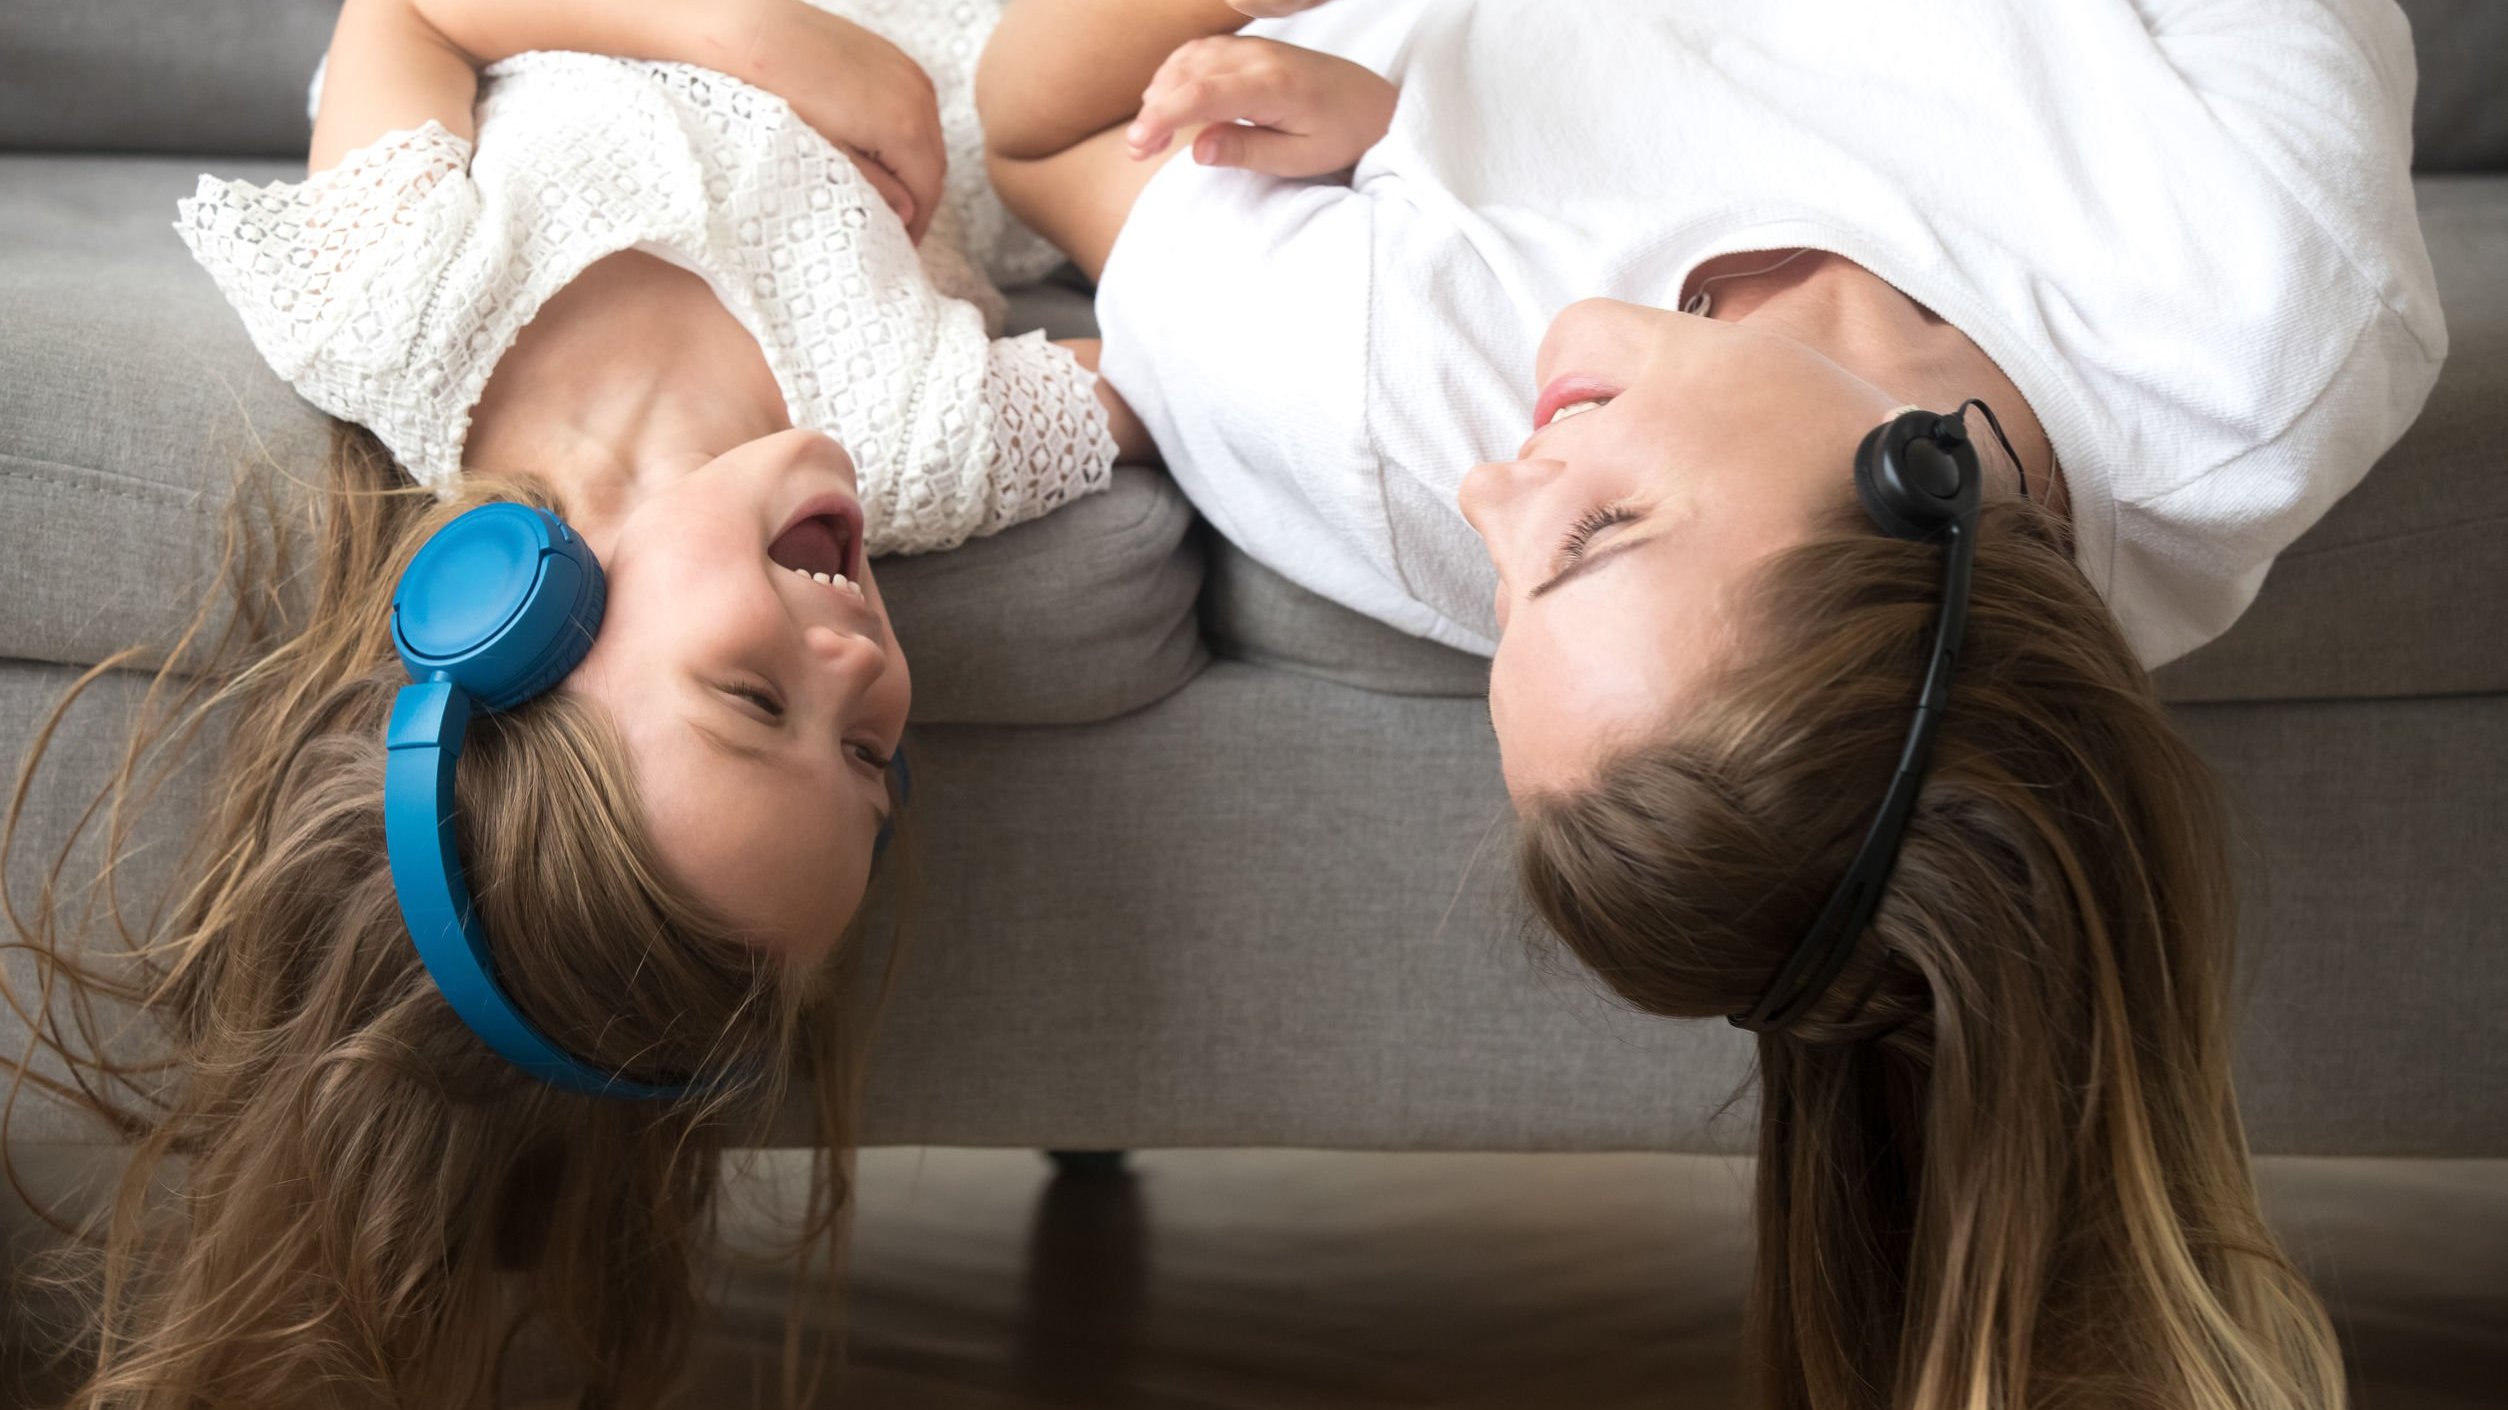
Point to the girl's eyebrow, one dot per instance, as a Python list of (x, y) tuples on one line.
[(1594, 560), (725, 742)]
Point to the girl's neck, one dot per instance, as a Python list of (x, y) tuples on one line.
[(1861, 322), (630, 377)]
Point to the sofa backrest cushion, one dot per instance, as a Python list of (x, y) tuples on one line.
[(229, 76)]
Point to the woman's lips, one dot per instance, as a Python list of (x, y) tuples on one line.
[(1568, 390)]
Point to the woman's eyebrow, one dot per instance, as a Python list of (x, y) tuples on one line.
[(1593, 560)]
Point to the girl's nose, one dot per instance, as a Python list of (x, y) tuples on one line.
[(855, 661)]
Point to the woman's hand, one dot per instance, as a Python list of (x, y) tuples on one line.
[(1272, 107), (861, 92)]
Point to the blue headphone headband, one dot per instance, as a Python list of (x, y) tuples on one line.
[(497, 607)]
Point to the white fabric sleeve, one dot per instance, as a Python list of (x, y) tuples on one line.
[(1051, 442), (332, 274), (1233, 310), (1319, 365), (2318, 96)]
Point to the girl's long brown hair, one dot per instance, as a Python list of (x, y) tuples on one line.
[(368, 1205), (2000, 1164)]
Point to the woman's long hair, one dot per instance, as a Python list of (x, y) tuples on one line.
[(368, 1205), (2000, 1163)]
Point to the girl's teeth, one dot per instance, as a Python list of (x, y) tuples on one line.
[(834, 580)]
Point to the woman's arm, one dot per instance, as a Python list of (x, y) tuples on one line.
[(394, 64)]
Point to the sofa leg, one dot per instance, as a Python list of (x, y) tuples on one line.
[(1087, 1163), (1086, 1290)]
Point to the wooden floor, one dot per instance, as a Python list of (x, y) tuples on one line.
[(1216, 1280), (1284, 1280)]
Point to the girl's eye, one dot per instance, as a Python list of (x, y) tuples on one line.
[(761, 696), (1594, 521)]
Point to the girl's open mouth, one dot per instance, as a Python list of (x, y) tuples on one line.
[(823, 541)]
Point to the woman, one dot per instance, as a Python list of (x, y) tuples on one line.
[(574, 270), (2170, 248)]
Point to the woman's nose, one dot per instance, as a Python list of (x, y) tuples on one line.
[(1493, 487)]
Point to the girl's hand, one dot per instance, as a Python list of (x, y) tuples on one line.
[(1271, 9), (860, 91), (1272, 107)]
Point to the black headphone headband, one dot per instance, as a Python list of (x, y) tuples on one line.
[(1918, 477)]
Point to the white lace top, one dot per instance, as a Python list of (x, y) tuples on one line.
[(386, 287)]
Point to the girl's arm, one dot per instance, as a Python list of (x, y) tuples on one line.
[(1059, 71), (395, 64), (1133, 445), (1081, 106), (1058, 81)]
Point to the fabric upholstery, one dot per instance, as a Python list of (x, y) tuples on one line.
[(2458, 122), (1275, 910), (133, 399), (223, 76)]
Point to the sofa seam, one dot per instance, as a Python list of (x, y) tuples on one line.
[(81, 477), (2406, 536), (2500, 693)]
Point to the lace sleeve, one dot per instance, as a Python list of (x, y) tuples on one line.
[(1018, 438), (332, 274), (1051, 442)]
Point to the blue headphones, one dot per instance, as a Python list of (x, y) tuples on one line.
[(497, 607)]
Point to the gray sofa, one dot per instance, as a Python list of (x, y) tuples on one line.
[(1211, 862)]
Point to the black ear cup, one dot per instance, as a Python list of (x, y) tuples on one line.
[(1916, 473)]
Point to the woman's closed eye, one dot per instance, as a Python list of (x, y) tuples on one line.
[(1592, 522)]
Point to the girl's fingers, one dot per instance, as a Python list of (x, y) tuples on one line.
[(892, 191), (918, 168), (1262, 149), (1246, 96)]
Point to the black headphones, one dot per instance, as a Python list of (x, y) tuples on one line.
[(1918, 477)]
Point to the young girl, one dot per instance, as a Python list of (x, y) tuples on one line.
[(1984, 940), (628, 284)]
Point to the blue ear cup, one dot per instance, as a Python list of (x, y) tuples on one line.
[(902, 789), (495, 609), (503, 601)]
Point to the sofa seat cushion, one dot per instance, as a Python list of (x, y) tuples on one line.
[(130, 398), (2401, 590)]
